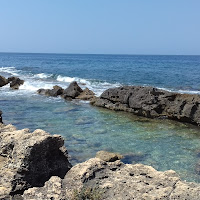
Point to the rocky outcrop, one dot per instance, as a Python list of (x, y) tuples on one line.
[(15, 82), (72, 91), (116, 180), (151, 102), (56, 91), (86, 95), (30, 159), (3, 81)]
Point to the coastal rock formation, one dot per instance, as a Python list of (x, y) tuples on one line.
[(151, 102), (116, 180), (29, 159), (86, 94), (15, 82), (56, 91), (3, 81), (72, 91)]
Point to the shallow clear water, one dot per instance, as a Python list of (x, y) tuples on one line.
[(163, 144)]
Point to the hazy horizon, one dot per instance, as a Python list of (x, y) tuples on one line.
[(114, 27)]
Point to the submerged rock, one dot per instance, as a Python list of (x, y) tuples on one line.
[(72, 91), (31, 159), (108, 156), (15, 82), (3, 81), (151, 102), (116, 180)]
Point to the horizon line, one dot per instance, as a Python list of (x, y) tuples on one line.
[(14, 52)]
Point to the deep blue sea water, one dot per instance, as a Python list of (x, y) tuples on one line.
[(163, 144)]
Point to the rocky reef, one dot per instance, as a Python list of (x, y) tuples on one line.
[(73, 91), (152, 103), (15, 82)]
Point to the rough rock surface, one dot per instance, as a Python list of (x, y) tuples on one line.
[(86, 94), (3, 81), (30, 159), (116, 180), (152, 102), (15, 82), (56, 91), (72, 91)]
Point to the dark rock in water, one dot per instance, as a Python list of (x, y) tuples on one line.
[(32, 158), (151, 102), (86, 94), (108, 156), (1, 120), (72, 91), (15, 82), (3, 81), (56, 91), (116, 180)]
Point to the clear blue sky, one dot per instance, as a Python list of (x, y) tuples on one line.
[(100, 26)]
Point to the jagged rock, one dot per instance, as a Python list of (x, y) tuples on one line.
[(86, 94), (72, 91), (151, 102), (108, 156), (116, 180), (15, 82), (3, 81), (56, 91), (1, 120), (31, 159), (51, 190)]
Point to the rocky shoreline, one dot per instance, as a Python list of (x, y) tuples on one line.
[(146, 101), (36, 166), (152, 103)]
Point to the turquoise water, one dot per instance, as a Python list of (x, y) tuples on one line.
[(163, 144)]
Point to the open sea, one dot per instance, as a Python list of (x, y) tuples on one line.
[(163, 144)]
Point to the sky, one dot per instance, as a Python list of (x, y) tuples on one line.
[(170, 27)]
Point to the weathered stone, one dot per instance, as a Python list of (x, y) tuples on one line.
[(151, 102), (15, 82), (56, 91), (72, 91), (116, 180), (3, 81), (31, 159), (86, 94), (52, 190), (108, 156)]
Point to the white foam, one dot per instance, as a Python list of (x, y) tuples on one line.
[(10, 71), (42, 75), (65, 79)]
